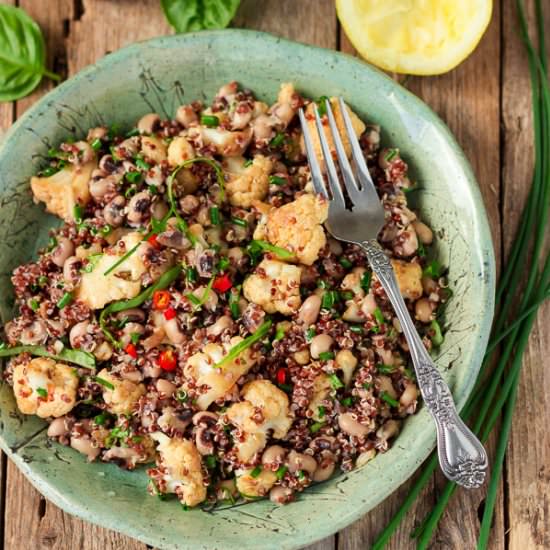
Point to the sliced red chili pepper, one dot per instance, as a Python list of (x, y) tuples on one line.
[(281, 376), (222, 283), (152, 240), (170, 313), (130, 349), (167, 360), (161, 299)]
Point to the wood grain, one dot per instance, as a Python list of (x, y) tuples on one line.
[(528, 456)]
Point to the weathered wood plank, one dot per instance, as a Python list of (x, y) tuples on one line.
[(472, 112), (528, 454)]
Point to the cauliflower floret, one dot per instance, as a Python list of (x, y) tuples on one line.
[(179, 151), (247, 184), (409, 278), (275, 286), (65, 189), (182, 462), (44, 387), (250, 486), (227, 144), (356, 122), (286, 107), (296, 227), (122, 399), (200, 367), (153, 148), (97, 289), (265, 407), (321, 390)]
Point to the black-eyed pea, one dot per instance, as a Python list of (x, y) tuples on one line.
[(299, 461), (346, 361), (351, 426), (365, 457), (409, 395), (424, 233), (165, 387), (423, 310), (309, 310), (301, 357), (324, 470), (281, 495), (389, 429), (274, 454), (321, 343), (148, 123)]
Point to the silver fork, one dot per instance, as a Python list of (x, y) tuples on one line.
[(461, 455)]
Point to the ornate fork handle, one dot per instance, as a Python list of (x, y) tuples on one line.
[(461, 455)]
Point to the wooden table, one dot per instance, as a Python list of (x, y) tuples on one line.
[(486, 103)]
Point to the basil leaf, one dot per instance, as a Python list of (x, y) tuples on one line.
[(22, 54), (196, 15)]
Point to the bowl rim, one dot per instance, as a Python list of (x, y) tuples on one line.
[(487, 271)]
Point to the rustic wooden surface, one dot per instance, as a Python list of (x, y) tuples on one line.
[(486, 102)]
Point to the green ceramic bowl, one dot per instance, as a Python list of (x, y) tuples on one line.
[(159, 75)]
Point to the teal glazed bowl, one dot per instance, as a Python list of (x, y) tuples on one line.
[(159, 75)]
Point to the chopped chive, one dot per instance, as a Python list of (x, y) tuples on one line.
[(379, 316), (103, 382), (42, 392), (133, 177), (248, 163), (191, 274), (321, 411), (281, 471), (437, 338), (434, 269), (316, 426), (322, 284), (210, 461), (279, 333), (389, 399), (301, 475), (34, 305), (215, 215), (106, 230), (367, 385), (142, 165), (322, 105), (134, 337), (182, 396), (385, 369), (346, 295), (130, 191), (358, 329), (310, 333), (365, 281), (268, 247), (239, 221), (326, 355), (43, 280), (223, 263), (96, 144), (211, 121), (193, 299), (330, 297), (78, 212), (391, 154), (344, 262), (421, 250), (347, 401), (335, 382), (234, 302), (101, 418), (278, 140), (153, 189), (408, 373), (65, 300), (277, 180), (256, 472)]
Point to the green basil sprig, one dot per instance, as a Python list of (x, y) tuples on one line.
[(22, 54), (78, 357), (196, 15)]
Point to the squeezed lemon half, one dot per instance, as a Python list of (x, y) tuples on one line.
[(415, 36)]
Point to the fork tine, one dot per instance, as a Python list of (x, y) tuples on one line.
[(362, 171), (345, 167), (334, 184), (316, 175)]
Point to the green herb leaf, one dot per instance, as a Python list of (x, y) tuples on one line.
[(235, 351), (366, 280), (196, 15), (280, 473), (78, 357), (434, 269), (378, 315), (335, 382), (282, 253), (322, 411), (437, 338), (22, 54), (215, 215), (344, 262), (326, 355), (385, 369), (278, 140), (65, 300), (316, 426), (389, 399), (42, 392), (103, 382), (256, 471), (277, 180)]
